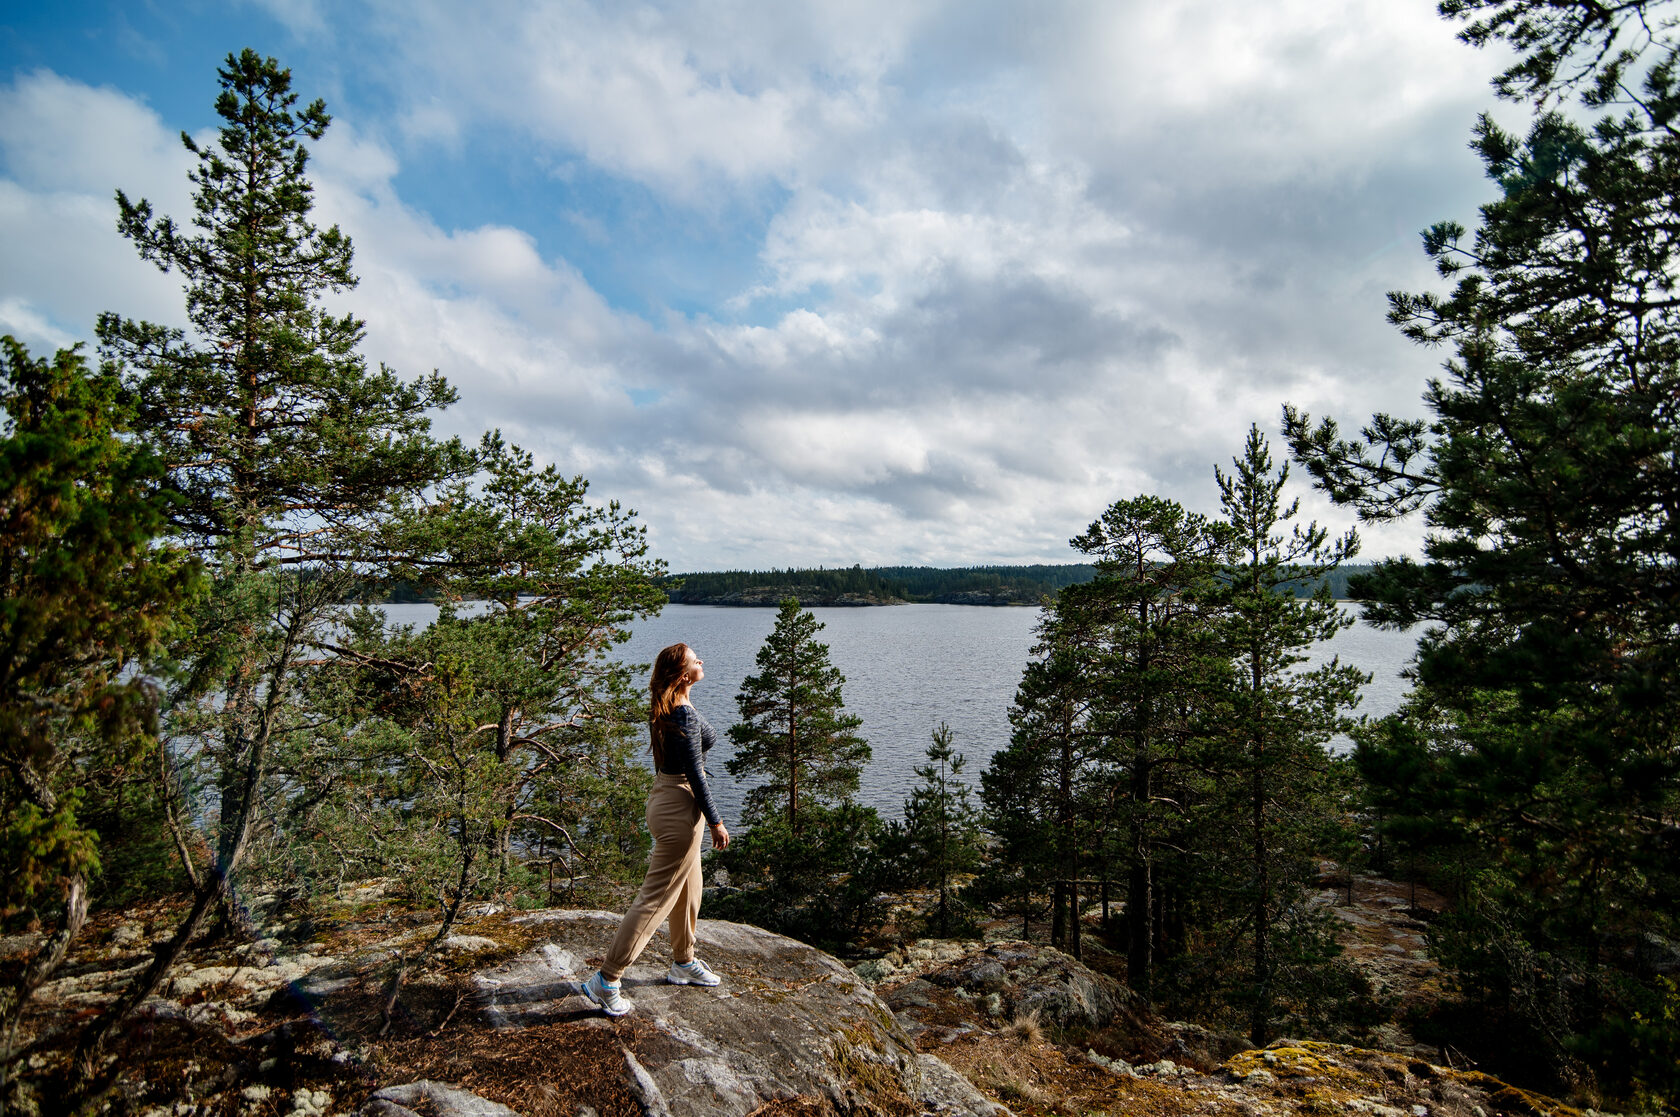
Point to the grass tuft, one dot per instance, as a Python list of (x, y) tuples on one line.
[(1027, 1028)]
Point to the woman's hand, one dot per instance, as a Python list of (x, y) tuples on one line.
[(720, 836)]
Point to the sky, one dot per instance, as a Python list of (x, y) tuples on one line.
[(884, 282)]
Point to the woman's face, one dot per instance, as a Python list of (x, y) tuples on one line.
[(696, 669)]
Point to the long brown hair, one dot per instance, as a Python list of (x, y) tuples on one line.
[(670, 667)]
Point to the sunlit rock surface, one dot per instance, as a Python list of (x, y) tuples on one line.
[(290, 1023), (788, 1022)]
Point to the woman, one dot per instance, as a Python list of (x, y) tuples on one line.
[(680, 800)]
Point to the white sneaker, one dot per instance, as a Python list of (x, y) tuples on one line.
[(692, 973), (605, 994)]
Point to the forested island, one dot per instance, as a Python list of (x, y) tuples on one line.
[(880, 585), (1033, 584), (215, 762)]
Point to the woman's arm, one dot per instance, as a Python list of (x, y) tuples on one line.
[(687, 754)]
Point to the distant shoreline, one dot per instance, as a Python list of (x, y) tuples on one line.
[(774, 597), (859, 587), (855, 586)]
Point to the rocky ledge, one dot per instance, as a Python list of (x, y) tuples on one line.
[(499, 1026), (789, 1024), (1039, 1030), (291, 1025)]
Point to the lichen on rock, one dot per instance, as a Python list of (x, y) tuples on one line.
[(788, 1022)]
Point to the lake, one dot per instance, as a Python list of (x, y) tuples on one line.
[(908, 668)]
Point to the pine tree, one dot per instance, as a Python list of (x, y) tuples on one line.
[(295, 463), (1548, 478), (288, 452), (794, 730), (1280, 717), (941, 825), (1043, 792), (1155, 664), (540, 709), (808, 857), (1108, 717)]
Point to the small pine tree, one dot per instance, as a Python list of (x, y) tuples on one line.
[(794, 730), (1038, 792), (941, 825), (808, 856)]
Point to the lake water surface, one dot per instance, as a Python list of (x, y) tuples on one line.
[(910, 667)]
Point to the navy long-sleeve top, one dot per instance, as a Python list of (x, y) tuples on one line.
[(687, 739)]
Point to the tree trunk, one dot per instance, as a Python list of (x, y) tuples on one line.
[(42, 966), (1140, 953), (1073, 914), (218, 888), (91, 1049), (1068, 854), (793, 763), (1260, 1019), (502, 839), (451, 911)]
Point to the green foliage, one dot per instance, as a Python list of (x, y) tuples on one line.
[(261, 443), (1154, 654), (138, 859), (1166, 734), (1280, 717), (885, 585), (288, 427), (299, 470), (987, 585), (807, 861), (940, 839), (86, 598), (1559, 43), (439, 792), (819, 884), (1646, 1041), (1319, 992), (1546, 473), (459, 748), (1038, 793), (41, 849), (842, 585), (794, 731), (1110, 723)]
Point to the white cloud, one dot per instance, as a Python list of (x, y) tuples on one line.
[(1021, 262), (1240, 91), (677, 97), (20, 319), (65, 148), (302, 18), (60, 135)]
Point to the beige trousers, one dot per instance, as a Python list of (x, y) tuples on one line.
[(672, 886)]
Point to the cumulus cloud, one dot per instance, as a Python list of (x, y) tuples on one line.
[(1015, 264), (680, 97), (300, 17), (65, 149)]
